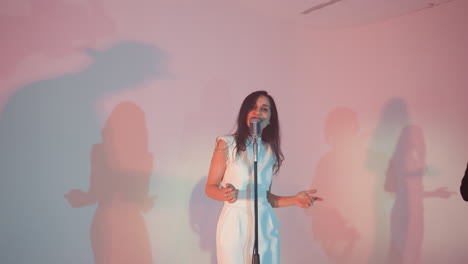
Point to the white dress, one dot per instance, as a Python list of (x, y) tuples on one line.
[(236, 225)]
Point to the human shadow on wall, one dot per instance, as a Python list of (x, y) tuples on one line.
[(204, 213), (404, 178), (393, 117), (46, 130), (121, 167), (343, 221)]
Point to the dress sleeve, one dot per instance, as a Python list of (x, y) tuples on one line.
[(222, 145)]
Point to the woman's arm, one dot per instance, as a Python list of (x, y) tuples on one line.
[(303, 199), (216, 174)]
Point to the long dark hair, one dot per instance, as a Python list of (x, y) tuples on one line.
[(270, 134)]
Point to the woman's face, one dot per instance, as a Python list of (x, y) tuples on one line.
[(261, 110)]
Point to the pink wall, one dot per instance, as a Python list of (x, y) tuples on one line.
[(373, 116)]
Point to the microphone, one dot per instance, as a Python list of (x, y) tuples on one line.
[(255, 133), (255, 127)]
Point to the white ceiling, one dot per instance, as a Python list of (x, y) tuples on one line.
[(339, 13)]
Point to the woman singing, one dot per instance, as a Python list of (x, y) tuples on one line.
[(231, 179)]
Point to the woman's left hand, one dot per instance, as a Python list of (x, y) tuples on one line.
[(305, 199)]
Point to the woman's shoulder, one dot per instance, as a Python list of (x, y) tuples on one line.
[(226, 142), (229, 139)]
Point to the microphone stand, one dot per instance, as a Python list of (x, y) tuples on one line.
[(256, 256)]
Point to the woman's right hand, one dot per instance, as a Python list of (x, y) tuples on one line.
[(230, 193)]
